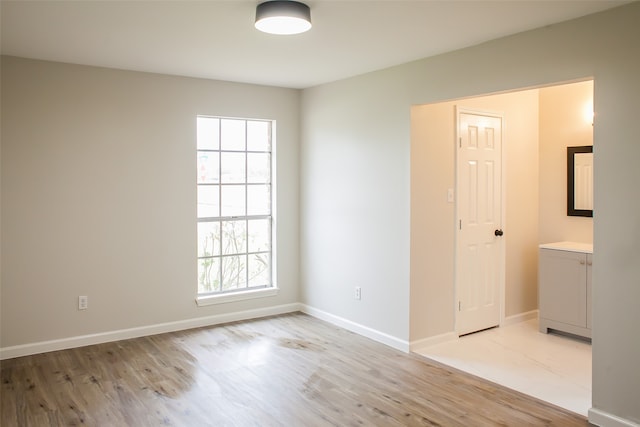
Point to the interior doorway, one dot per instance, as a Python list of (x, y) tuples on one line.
[(539, 124)]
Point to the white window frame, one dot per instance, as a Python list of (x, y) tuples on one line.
[(239, 294)]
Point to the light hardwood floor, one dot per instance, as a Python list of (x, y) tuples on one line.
[(290, 370)]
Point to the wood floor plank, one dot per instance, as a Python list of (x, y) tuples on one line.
[(290, 370)]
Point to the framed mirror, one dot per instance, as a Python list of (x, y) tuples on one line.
[(580, 181)]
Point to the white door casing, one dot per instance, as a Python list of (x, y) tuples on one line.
[(479, 244)]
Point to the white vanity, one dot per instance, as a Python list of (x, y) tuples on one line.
[(564, 287)]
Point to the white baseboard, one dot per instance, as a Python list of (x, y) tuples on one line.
[(359, 329), (520, 317), (83, 340), (418, 345), (605, 419)]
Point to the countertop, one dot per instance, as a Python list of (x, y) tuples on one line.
[(586, 248)]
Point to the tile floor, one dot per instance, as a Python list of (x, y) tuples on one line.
[(551, 367)]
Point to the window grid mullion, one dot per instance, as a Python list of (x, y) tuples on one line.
[(246, 205), (220, 275), (233, 218), (220, 256), (270, 196)]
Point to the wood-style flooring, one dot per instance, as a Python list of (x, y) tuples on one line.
[(291, 370)]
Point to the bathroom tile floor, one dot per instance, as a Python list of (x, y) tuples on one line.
[(550, 367)]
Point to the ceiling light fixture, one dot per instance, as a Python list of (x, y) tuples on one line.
[(283, 17)]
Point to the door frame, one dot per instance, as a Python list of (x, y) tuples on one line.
[(503, 211)]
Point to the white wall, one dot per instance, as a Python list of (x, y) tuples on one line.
[(355, 203), (99, 196), (354, 193), (562, 124)]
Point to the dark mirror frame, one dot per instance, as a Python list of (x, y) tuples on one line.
[(571, 210)]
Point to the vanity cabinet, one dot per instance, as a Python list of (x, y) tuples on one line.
[(564, 287)]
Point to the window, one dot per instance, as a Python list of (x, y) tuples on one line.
[(234, 205)]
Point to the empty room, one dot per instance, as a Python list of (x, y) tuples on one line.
[(206, 223)]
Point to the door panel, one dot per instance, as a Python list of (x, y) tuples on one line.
[(564, 297), (479, 250)]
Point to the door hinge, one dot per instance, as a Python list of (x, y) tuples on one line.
[(459, 305), (460, 142), (460, 224)]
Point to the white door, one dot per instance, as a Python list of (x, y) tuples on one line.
[(479, 251)]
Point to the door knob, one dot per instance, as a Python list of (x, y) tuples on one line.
[(498, 233)]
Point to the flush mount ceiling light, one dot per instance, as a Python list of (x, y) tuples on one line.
[(283, 17)]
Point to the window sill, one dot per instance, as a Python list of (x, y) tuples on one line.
[(236, 296)]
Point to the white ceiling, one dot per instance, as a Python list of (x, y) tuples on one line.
[(217, 40)]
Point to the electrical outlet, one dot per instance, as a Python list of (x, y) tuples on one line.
[(358, 294), (83, 302)]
